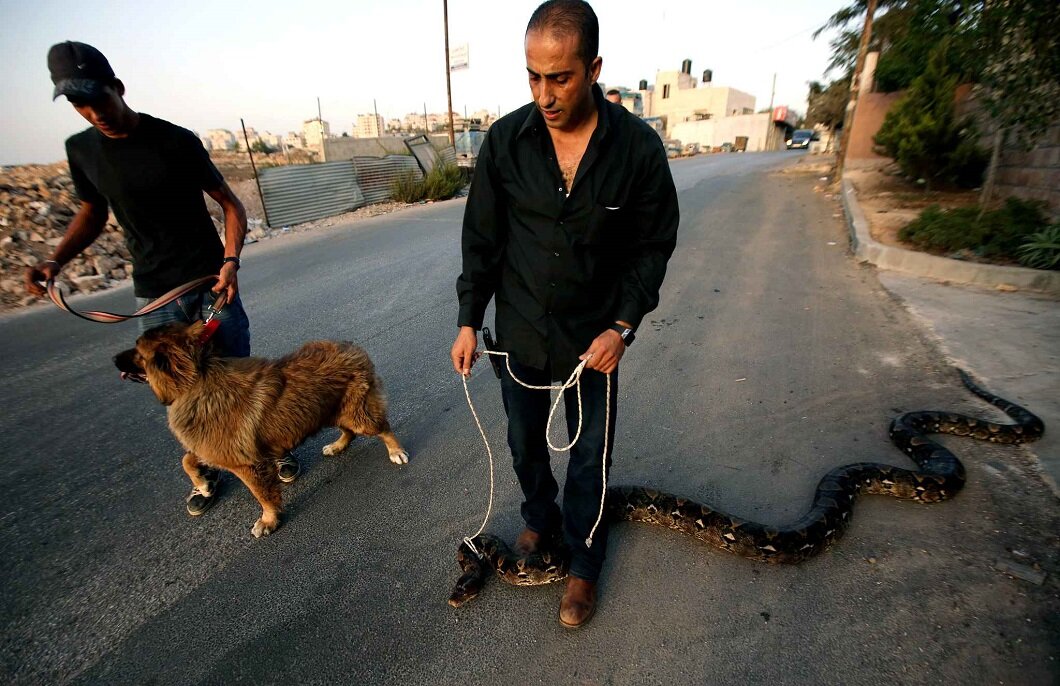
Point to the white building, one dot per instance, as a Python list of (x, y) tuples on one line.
[(368, 126), (315, 132), (677, 97), (274, 141), (293, 139), (413, 121), (252, 136), (221, 139)]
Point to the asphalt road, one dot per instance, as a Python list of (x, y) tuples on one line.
[(771, 359)]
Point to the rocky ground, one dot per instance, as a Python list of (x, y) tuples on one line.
[(36, 204), (38, 201)]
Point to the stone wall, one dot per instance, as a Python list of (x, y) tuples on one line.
[(1033, 174)]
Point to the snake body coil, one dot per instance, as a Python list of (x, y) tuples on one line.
[(940, 475)]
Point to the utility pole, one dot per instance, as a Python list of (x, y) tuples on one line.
[(426, 126), (772, 125), (320, 127), (254, 168), (378, 128), (855, 88), (448, 85)]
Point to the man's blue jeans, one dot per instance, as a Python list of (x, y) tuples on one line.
[(233, 335), (527, 416)]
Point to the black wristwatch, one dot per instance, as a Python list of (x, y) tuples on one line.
[(626, 333), (231, 259)]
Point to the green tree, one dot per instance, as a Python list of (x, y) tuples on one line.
[(904, 32), (826, 105), (261, 146), (922, 132)]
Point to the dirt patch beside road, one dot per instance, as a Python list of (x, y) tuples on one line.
[(890, 202)]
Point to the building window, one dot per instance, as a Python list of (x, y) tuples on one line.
[(666, 91)]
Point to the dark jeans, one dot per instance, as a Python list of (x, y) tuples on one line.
[(527, 416), (232, 336)]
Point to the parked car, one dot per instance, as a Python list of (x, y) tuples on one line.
[(691, 149), (801, 139), (673, 147)]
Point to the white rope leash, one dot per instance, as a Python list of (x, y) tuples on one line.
[(573, 380)]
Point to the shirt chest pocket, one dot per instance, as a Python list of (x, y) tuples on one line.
[(608, 223)]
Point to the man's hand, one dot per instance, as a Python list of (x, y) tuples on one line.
[(44, 271), (463, 353), (227, 281), (606, 350)]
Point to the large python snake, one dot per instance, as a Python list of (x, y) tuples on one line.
[(940, 476)]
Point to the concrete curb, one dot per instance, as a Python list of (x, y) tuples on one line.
[(933, 267)]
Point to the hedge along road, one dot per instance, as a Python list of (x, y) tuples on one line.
[(772, 358)]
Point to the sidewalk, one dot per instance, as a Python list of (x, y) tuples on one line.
[(1009, 341), (1002, 324)]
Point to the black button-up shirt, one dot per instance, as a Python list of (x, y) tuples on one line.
[(565, 264)]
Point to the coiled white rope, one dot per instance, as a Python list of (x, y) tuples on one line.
[(573, 380)]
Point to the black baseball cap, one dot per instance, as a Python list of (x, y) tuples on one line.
[(78, 70)]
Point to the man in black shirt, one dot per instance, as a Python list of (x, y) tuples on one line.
[(153, 175), (571, 220)]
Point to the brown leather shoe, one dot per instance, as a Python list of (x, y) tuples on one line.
[(579, 602), (529, 542)]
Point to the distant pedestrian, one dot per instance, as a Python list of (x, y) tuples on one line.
[(570, 222), (152, 174), (615, 96)]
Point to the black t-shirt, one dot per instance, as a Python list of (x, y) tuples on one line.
[(154, 180)]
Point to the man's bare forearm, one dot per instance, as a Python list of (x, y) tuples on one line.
[(84, 229), (235, 218), (235, 228)]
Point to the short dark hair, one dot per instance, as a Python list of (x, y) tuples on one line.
[(613, 91), (569, 17)]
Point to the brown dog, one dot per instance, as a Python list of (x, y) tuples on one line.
[(243, 414)]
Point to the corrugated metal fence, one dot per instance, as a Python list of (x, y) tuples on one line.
[(302, 193), (376, 175)]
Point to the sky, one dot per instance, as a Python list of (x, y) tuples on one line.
[(204, 65)]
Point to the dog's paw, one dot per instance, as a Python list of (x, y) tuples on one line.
[(260, 528), (332, 449), (400, 457)]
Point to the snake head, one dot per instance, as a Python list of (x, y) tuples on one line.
[(470, 583), (467, 587)]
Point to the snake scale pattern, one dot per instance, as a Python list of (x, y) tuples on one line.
[(940, 475)]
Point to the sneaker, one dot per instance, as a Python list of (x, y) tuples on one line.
[(198, 502), (288, 468)]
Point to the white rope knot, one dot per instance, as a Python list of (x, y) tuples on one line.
[(470, 544), (574, 380)]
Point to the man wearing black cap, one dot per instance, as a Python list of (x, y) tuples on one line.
[(153, 175)]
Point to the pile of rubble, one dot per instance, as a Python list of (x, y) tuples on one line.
[(37, 203)]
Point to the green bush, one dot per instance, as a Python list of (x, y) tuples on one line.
[(998, 234), (406, 188), (444, 181), (1041, 250), (922, 132)]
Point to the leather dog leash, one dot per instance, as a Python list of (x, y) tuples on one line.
[(55, 294)]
